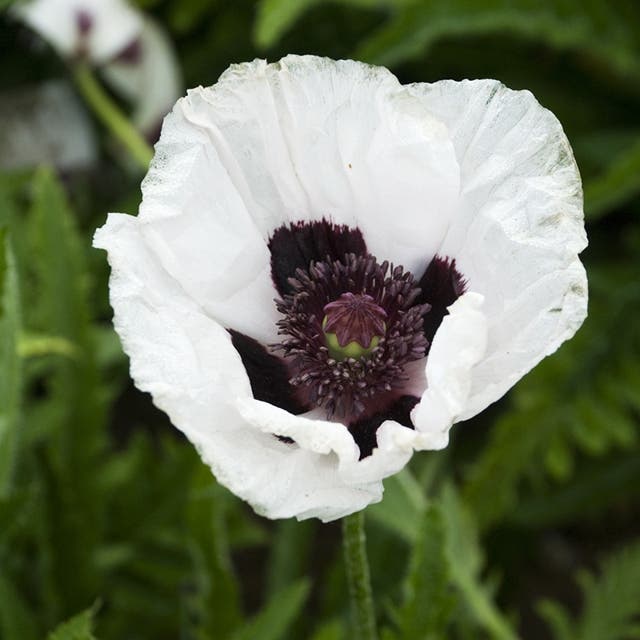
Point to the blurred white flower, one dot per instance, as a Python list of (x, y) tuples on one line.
[(96, 29), (297, 181), (131, 50)]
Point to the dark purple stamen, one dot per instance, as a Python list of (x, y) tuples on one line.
[(354, 318), (324, 273), (351, 387)]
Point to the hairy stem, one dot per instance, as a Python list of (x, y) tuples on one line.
[(357, 566)]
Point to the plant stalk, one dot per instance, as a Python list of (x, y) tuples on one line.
[(358, 577), (111, 116)]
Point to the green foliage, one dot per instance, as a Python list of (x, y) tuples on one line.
[(611, 602), (585, 398), (617, 185), (218, 606), (80, 627), (10, 381), (275, 620), (428, 581), (101, 501)]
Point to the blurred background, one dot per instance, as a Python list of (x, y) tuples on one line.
[(527, 526)]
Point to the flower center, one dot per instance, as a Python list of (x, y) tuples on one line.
[(353, 326), (350, 326)]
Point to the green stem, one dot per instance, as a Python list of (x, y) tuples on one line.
[(111, 116), (355, 555)]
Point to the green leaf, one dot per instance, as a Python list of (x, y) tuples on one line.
[(276, 619), (465, 562), (72, 411), (10, 365), (216, 602), (80, 627), (602, 31), (276, 16), (611, 602), (429, 600), (332, 630), (289, 553), (17, 619), (618, 184), (581, 399), (402, 507)]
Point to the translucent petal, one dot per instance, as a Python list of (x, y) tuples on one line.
[(518, 227), (186, 361)]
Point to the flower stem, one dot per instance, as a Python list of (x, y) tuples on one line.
[(355, 555), (111, 116)]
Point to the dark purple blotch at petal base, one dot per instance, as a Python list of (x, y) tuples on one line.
[(295, 246), (364, 431), (267, 373), (442, 284)]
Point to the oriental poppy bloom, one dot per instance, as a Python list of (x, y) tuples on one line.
[(329, 269)]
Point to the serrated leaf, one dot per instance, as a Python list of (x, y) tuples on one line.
[(72, 410), (80, 627), (611, 602), (465, 562), (275, 620), (560, 406), (216, 601), (429, 600), (402, 506)]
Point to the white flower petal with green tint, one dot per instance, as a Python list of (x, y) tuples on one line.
[(266, 165)]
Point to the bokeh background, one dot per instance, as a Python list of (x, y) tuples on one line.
[(527, 526)]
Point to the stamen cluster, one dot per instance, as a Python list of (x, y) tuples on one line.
[(346, 387)]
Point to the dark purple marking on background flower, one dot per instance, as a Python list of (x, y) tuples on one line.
[(131, 54), (267, 373), (441, 285), (297, 245), (84, 22)]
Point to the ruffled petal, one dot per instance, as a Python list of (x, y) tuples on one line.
[(458, 346), (187, 362), (112, 25), (197, 223), (518, 228), (310, 138)]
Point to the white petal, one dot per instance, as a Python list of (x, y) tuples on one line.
[(153, 83), (186, 361), (308, 138), (519, 226), (114, 25), (198, 226), (458, 346)]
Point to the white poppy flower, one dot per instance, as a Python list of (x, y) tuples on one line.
[(131, 50), (298, 181), (96, 29)]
